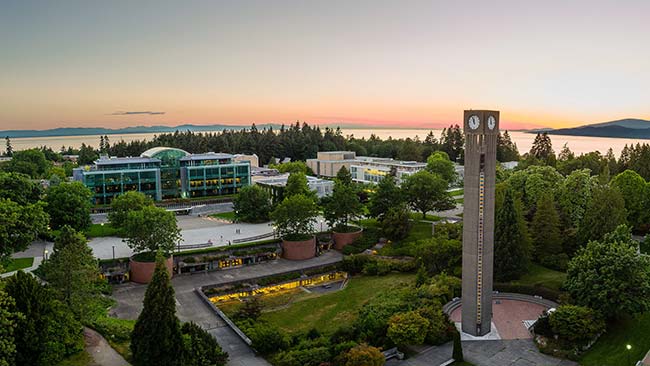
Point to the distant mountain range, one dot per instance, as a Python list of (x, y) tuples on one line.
[(624, 128), (81, 131)]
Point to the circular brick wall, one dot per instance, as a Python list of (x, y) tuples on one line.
[(142, 272), (343, 239), (299, 250)]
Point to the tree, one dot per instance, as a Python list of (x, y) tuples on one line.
[(439, 163), (342, 206), (363, 355), (633, 189), (533, 182), (10, 150), (506, 149), (458, 349), (152, 229), (294, 217), (344, 176), (452, 142), (439, 254), (31, 162), (87, 155), (156, 337), (72, 270), (19, 226), (19, 188), (200, 348), (573, 197), (604, 213), (577, 325), (252, 204), (427, 192), (125, 203), (386, 195), (9, 320), (511, 241), (609, 276), (547, 239), (292, 167), (297, 184), (69, 204), (542, 149), (47, 331), (395, 223)]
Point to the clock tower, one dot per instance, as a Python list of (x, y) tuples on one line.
[(481, 133)]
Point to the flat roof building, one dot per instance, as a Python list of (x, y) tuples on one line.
[(364, 169), (275, 185), (164, 172)]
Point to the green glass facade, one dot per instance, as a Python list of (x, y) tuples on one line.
[(163, 173)]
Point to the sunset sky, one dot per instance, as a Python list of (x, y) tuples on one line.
[(374, 63)]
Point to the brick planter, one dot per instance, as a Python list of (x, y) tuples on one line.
[(299, 250), (343, 239), (142, 272)]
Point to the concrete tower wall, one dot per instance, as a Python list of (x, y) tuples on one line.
[(478, 225)]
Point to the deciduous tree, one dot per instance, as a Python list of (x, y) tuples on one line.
[(125, 203), (69, 204), (19, 226), (426, 192), (252, 204), (439, 163), (151, 229), (386, 195), (294, 217)]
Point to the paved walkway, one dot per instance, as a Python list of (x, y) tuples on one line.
[(520, 352), (37, 262), (100, 351), (190, 307)]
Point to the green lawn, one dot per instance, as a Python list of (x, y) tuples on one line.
[(610, 349), (100, 231), (328, 312), (542, 276), (419, 230), (418, 216), (16, 264), (230, 216), (457, 192)]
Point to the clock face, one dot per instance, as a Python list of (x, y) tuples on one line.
[(473, 122), (491, 122)]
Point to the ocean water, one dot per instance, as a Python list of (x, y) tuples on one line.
[(524, 141)]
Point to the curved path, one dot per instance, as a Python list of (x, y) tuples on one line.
[(100, 351)]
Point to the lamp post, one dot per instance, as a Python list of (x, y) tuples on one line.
[(629, 348), (45, 254), (113, 254), (321, 225)]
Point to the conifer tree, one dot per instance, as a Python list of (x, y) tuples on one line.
[(547, 235), (156, 337), (458, 349), (511, 241)]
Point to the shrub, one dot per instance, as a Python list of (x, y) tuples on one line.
[(363, 355), (118, 330), (576, 324), (351, 249), (267, 339), (407, 328), (201, 348), (354, 264)]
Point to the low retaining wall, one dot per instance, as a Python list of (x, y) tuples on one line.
[(343, 239), (449, 307), (299, 250), (142, 272), (223, 316)]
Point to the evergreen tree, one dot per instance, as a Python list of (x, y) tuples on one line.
[(156, 337), (8, 323), (72, 270), (546, 234), (458, 349), (10, 150), (344, 176), (511, 242), (604, 213), (506, 149), (542, 149), (47, 332), (201, 349)]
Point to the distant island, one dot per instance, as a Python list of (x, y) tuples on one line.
[(625, 128)]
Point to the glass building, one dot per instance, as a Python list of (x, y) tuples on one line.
[(163, 173)]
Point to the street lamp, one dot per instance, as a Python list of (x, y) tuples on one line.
[(321, 225), (45, 254), (629, 347)]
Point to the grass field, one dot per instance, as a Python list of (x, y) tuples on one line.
[(230, 215), (418, 216), (610, 349), (16, 264), (543, 276), (329, 311), (100, 231), (457, 192)]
